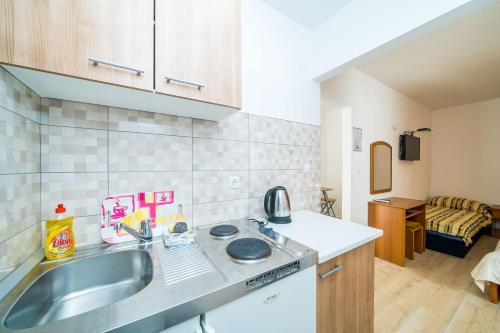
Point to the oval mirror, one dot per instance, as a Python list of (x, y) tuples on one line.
[(380, 167)]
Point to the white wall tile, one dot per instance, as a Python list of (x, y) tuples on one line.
[(15, 250), (305, 181), (20, 143), (304, 135), (216, 212), (17, 97), (149, 152), (302, 156), (148, 122), (269, 130), (19, 203), (235, 127), (89, 151), (132, 182), (81, 193), (67, 149), (269, 156), (74, 114), (87, 230), (263, 180), (213, 186), (210, 154)]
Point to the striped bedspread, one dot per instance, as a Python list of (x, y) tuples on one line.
[(463, 220)]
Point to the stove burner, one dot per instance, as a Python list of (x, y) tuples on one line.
[(224, 231), (248, 250)]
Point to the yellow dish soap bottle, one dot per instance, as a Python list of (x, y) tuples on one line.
[(60, 240)]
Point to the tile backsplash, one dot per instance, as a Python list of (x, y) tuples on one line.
[(85, 158), (20, 183), (80, 153)]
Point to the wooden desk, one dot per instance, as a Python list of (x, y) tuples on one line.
[(391, 218)]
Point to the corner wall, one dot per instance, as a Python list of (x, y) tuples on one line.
[(20, 231), (363, 30), (276, 66), (466, 151), (376, 108)]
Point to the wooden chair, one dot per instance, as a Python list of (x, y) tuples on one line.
[(327, 203), (414, 239)]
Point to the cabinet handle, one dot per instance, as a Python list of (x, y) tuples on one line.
[(330, 272), (105, 62), (198, 85)]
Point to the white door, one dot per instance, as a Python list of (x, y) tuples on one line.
[(288, 305), (189, 326)]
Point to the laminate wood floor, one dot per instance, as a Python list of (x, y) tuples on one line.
[(434, 293)]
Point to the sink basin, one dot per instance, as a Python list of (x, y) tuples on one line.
[(80, 286)]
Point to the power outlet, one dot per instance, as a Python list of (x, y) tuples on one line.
[(234, 182)]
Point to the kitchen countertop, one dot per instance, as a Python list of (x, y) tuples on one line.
[(175, 292), (328, 236)]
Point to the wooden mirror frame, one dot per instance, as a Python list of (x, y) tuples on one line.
[(372, 170)]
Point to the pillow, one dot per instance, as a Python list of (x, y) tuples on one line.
[(461, 204)]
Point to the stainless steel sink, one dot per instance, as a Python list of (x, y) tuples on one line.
[(80, 286), (130, 287)]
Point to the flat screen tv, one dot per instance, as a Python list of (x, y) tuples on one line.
[(409, 148)]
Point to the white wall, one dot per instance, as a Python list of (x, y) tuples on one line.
[(363, 29), (466, 151), (376, 108), (281, 57), (331, 151), (276, 66)]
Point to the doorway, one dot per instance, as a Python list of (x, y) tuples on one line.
[(336, 155)]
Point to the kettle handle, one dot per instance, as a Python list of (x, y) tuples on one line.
[(267, 209)]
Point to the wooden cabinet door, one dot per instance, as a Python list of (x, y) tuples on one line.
[(345, 299), (197, 42), (60, 36)]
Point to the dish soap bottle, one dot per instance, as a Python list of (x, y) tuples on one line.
[(60, 240)]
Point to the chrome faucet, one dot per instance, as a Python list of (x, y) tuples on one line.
[(145, 234)]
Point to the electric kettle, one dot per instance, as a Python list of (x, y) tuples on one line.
[(277, 205)]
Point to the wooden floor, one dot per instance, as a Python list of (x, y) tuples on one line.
[(434, 293)]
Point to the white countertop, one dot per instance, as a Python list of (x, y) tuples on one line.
[(329, 236)]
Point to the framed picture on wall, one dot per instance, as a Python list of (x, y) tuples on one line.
[(357, 139)]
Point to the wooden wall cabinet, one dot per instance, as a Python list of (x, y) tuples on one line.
[(198, 44), (345, 298), (60, 36), (189, 41)]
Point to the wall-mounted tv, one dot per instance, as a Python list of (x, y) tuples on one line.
[(409, 148)]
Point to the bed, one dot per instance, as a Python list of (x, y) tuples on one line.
[(455, 224)]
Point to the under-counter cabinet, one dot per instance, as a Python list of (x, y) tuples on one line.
[(64, 37), (345, 292), (197, 50), (287, 305)]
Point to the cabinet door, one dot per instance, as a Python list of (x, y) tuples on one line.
[(60, 36), (287, 305), (198, 43), (345, 298)]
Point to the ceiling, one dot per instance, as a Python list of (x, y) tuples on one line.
[(455, 65), (309, 13)]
